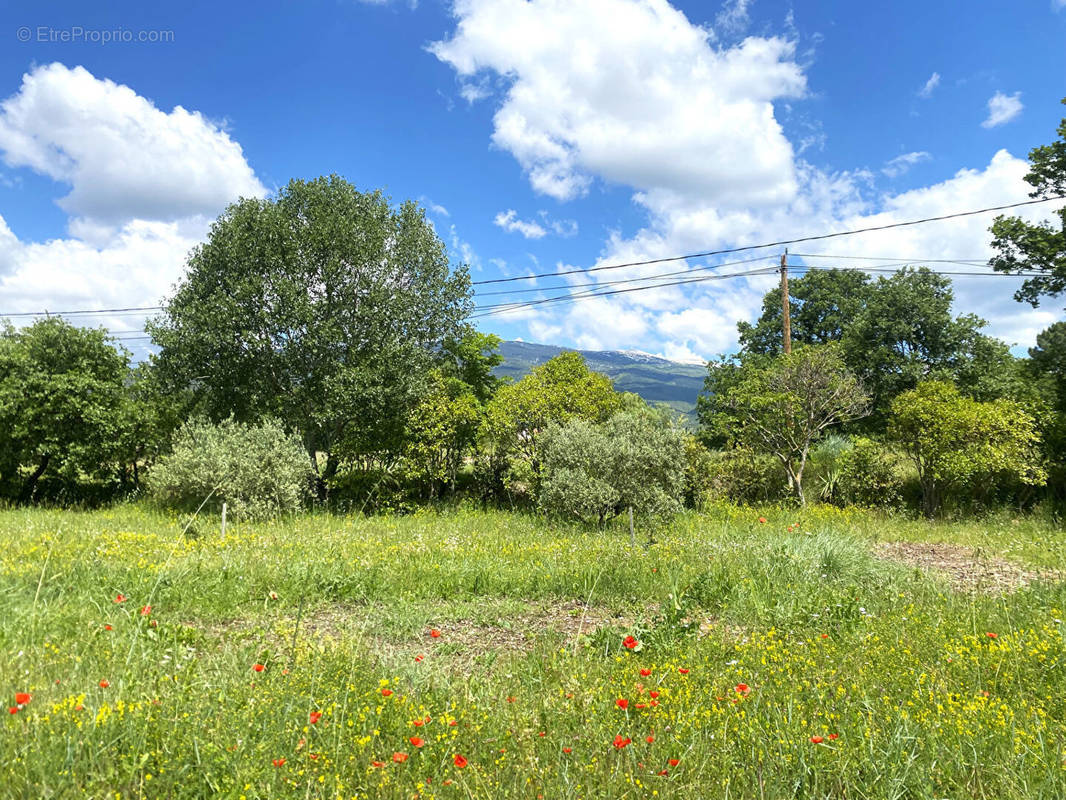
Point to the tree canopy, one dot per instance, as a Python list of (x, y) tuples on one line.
[(62, 400), (323, 307), (1040, 247)]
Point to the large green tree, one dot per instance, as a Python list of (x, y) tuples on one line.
[(323, 307), (895, 332), (1026, 247), (62, 403)]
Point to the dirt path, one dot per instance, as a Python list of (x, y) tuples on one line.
[(967, 568)]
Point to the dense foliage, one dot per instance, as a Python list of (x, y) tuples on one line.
[(323, 307), (593, 472), (258, 470)]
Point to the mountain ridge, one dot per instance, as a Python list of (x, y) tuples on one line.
[(657, 380)]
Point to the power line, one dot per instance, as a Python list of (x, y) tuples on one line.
[(505, 308), (894, 258), (623, 280), (781, 243), (80, 312)]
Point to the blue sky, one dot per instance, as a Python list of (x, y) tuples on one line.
[(540, 135)]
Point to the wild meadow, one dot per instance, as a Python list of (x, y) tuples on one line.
[(734, 653)]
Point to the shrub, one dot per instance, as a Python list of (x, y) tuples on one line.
[(259, 471), (594, 472), (870, 474), (743, 476)]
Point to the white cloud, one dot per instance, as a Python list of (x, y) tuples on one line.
[(1002, 109), (144, 186), (690, 128), (733, 18), (122, 157), (900, 164), (463, 250), (930, 86), (508, 220), (631, 92)]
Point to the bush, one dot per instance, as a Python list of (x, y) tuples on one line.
[(259, 471), (871, 474), (741, 475), (594, 472)]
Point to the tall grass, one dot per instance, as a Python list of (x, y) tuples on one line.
[(811, 668)]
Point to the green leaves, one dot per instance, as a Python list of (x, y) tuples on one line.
[(62, 393), (1041, 247), (324, 307), (955, 440)]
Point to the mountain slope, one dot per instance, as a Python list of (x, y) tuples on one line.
[(657, 380)]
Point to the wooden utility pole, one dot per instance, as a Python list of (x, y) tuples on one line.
[(786, 319)]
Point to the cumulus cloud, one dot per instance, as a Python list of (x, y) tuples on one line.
[(122, 157), (930, 86), (900, 164), (1002, 109), (144, 185), (631, 92)]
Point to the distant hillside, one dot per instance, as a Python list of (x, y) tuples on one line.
[(657, 380)]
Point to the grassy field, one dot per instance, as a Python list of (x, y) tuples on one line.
[(475, 654)]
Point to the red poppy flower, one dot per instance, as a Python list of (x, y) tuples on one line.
[(649, 739), (315, 716), (817, 740), (645, 672), (825, 635), (662, 772), (742, 688), (435, 633), (146, 610), (622, 703), (460, 761), (120, 598), (418, 659), (258, 667), (619, 742), (542, 733), (378, 764), (13, 710), (278, 762), (511, 699), (386, 692), (399, 758), (674, 762), (313, 756), (653, 693), (630, 642), (104, 684), (21, 698), (834, 736), (453, 723), (991, 635), (417, 741), (683, 670), (418, 723), (640, 705), (568, 749), (762, 520)]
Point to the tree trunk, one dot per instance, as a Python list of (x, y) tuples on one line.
[(30, 485)]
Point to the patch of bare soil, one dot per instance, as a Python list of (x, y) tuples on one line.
[(565, 623), (967, 568)]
